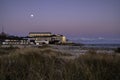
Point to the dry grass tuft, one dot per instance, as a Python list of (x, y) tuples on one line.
[(46, 64)]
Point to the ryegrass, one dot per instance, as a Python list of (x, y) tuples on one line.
[(47, 64)]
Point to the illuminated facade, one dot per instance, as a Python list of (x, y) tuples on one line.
[(39, 34), (47, 36)]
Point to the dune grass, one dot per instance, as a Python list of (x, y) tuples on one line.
[(6, 51), (47, 64)]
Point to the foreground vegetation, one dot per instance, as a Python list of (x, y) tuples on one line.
[(47, 64)]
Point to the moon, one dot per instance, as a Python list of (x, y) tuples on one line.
[(31, 15)]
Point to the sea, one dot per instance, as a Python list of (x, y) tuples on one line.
[(97, 42)]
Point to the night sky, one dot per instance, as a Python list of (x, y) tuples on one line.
[(84, 18)]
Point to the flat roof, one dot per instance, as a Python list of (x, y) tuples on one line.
[(40, 33)]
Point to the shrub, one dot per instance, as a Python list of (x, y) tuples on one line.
[(117, 50)]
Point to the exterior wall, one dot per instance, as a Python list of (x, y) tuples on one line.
[(63, 39), (39, 34), (43, 38), (14, 42), (41, 42)]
